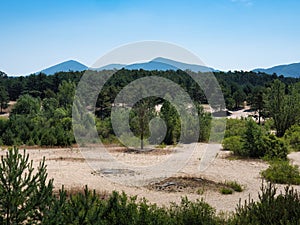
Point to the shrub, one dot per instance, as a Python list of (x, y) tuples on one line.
[(226, 191), (233, 144), (270, 209), (234, 185), (274, 147), (292, 137), (256, 143), (282, 172), (25, 195), (189, 212), (252, 140), (234, 127)]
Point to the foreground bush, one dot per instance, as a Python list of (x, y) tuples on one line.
[(271, 208), (282, 172), (24, 195)]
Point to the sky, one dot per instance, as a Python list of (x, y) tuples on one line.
[(224, 34)]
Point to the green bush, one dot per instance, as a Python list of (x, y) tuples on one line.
[(282, 172), (188, 212), (274, 147), (254, 142), (292, 137), (226, 191), (235, 127), (234, 185), (233, 144), (271, 209), (25, 195)]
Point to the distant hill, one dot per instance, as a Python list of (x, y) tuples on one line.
[(111, 67), (160, 64), (151, 65), (155, 64), (184, 66), (66, 66), (290, 70)]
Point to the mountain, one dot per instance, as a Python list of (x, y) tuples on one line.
[(151, 65), (66, 66), (160, 64), (184, 66), (290, 70), (113, 66)]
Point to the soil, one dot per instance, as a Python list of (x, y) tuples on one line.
[(68, 167)]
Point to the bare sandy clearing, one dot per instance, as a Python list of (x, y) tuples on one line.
[(70, 169)]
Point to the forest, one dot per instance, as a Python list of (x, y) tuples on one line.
[(42, 114)]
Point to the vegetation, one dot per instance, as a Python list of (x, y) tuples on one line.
[(271, 208), (292, 137), (28, 198), (42, 115), (252, 140), (282, 172), (25, 195), (282, 107), (4, 99), (234, 185), (226, 191)]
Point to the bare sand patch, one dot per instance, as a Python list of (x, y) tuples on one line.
[(69, 168)]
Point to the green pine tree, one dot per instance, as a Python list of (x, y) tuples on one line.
[(24, 195)]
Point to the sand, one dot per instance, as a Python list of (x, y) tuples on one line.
[(68, 167)]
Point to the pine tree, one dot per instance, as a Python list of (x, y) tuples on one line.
[(24, 195)]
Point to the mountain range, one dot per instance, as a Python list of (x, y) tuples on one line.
[(290, 70)]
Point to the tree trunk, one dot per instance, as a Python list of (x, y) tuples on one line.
[(142, 140)]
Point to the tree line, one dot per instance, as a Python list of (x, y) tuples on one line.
[(42, 114)]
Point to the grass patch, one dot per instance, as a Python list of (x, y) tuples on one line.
[(226, 191), (162, 145), (234, 185), (281, 172)]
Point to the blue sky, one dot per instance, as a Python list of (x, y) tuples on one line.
[(224, 34)]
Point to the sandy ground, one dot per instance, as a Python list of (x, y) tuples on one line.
[(68, 167), (242, 113)]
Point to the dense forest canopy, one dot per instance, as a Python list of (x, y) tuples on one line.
[(42, 114)]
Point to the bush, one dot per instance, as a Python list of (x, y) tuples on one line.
[(233, 144), (292, 137), (271, 208), (25, 195), (274, 147), (282, 172), (234, 185), (189, 212), (252, 140), (256, 143), (235, 127), (226, 191)]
